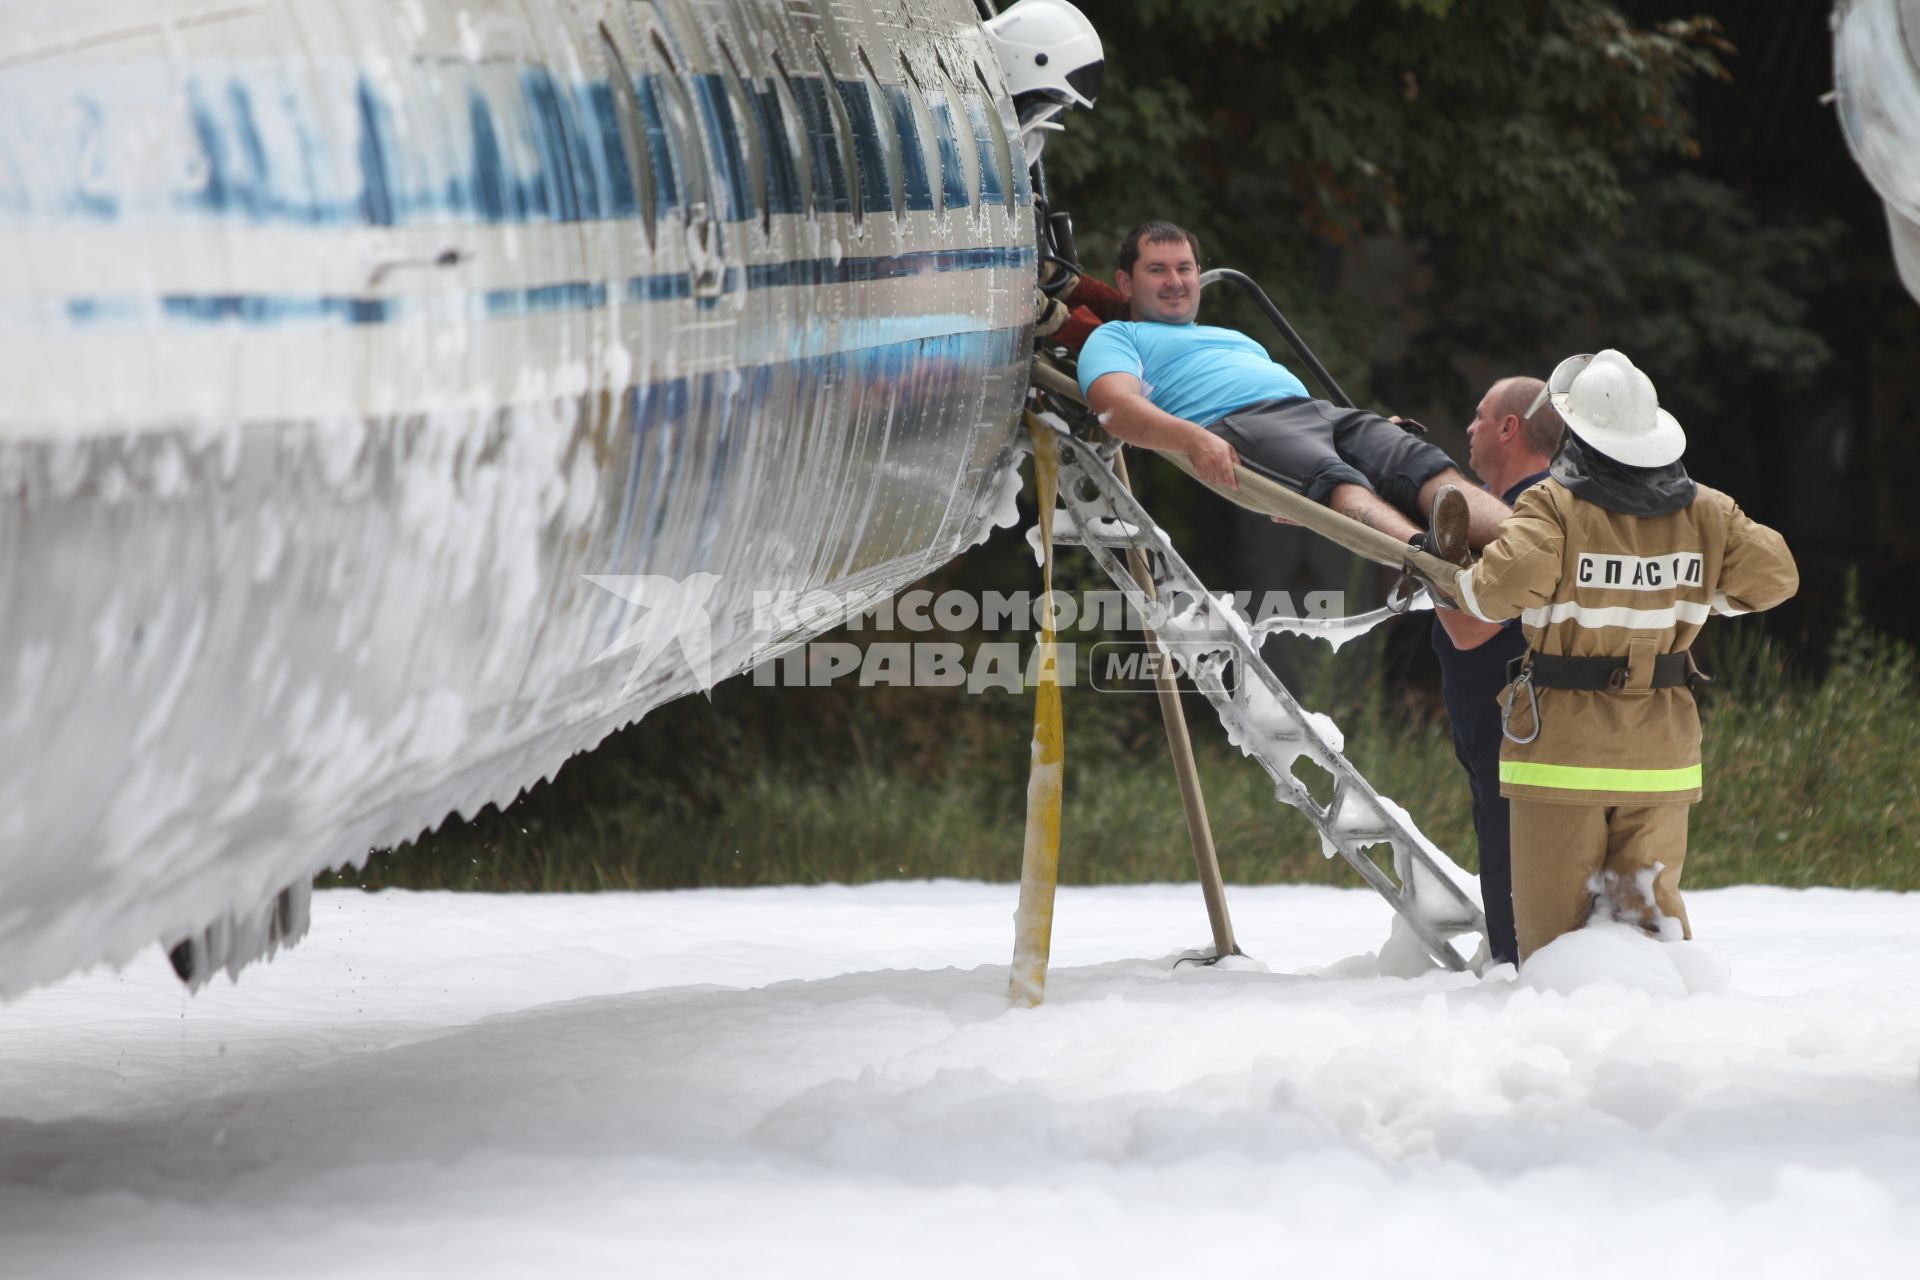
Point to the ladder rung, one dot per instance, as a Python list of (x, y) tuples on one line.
[(1369, 822)]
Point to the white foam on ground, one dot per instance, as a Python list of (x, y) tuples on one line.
[(1611, 953), (800, 1082)]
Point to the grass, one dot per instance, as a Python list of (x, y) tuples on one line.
[(1809, 782), (1814, 785)]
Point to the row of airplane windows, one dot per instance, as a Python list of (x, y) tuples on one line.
[(804, 143)]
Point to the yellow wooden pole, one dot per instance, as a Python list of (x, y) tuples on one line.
[(1040, 861)]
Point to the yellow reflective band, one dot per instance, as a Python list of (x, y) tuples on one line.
[(1569, 777)]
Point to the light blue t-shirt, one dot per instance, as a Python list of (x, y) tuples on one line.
[(1194, 371)]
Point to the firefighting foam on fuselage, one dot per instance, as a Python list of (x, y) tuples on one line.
[(349, 342)]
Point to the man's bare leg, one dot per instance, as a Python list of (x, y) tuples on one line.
[(1485, 511), (1369, 508)]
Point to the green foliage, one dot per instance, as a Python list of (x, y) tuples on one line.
[(1669, 288), (1806, 784), (1274, 126), (1815, 786)]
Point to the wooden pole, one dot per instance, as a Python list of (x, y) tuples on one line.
[(1180, 744), (1040, 857)]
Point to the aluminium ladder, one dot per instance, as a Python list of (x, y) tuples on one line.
[(1258, 712)]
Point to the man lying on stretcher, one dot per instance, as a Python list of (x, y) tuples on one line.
[(1163, 382)]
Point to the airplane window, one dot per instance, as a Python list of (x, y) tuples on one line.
[(843, 135), (953, 102), (661, 164), (786, 105), (996, 131), (747, 126), (953, 174), (922, 150), (564, 186), (910, 136), (885, 131), (677, 109), (628, 119), (820, 140)]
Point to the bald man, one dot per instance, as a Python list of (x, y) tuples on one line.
[(1510, 452)]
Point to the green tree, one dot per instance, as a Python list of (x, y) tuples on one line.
[(1487, 131), (1698, 281)]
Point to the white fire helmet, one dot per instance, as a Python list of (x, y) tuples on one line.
[(1048, 48), (1613, 407)]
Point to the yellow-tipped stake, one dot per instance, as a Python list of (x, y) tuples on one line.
[(1040, 863)]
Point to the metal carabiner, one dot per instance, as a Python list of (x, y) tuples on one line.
[(1404, 591), (1522, 681)]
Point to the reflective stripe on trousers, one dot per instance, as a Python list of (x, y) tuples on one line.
[(1572, 777)]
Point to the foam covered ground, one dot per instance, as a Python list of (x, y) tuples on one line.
[(829, 1082)]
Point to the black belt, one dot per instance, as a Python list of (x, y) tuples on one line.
[(1601, 675)]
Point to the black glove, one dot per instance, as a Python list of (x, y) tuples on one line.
[(1051, 315)]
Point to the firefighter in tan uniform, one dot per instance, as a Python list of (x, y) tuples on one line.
[(1612, 565)]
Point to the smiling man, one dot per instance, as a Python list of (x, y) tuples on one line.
[(1164, 381)]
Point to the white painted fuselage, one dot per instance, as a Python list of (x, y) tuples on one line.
[(346, 340)]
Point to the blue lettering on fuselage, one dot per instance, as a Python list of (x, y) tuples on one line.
[(621, 197), (953, 173), (876, 192), (498, 143), (505, 144), (723, 140), (913, 161), (991, 189), (831, 190)]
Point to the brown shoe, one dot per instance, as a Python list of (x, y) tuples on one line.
[(1446, 534)]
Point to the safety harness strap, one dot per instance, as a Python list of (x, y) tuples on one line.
[(1603, 674)]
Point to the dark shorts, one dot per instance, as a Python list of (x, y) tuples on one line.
[(1311, 446)]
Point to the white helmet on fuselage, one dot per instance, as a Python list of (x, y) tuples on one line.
[(1048, 50)]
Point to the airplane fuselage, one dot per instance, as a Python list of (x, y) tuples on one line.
[(347, 340)]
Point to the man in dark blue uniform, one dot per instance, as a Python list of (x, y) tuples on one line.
[(1509, 451)]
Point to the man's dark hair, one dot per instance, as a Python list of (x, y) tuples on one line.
[(1155, 232)]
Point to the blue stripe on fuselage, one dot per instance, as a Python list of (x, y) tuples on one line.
[(571, 295)]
